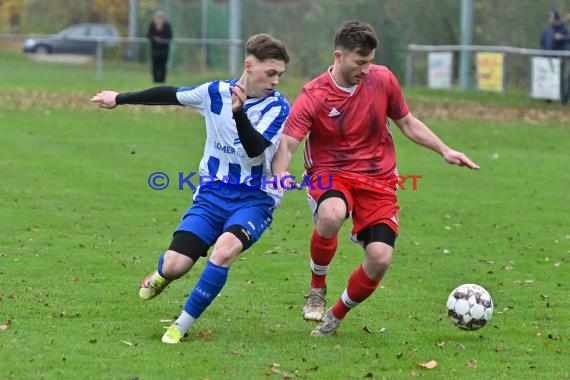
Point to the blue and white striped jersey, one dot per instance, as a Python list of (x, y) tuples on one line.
[(224, 157)]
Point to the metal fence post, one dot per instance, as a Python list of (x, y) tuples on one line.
[(99, 59), (235, 34), (204, 35), (409, 67)]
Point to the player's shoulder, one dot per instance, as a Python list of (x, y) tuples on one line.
[(202, 85), (381, 77), (317, 88), (275, 99), (272, 102), (317, 83), (380, 71), (280, 99)]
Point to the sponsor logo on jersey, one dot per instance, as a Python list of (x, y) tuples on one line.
[(228, 149)]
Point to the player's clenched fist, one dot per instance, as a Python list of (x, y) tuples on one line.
[(106, 99)]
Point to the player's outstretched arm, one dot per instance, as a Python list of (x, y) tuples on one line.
[(161, 95), (419, 133), (281, 160)]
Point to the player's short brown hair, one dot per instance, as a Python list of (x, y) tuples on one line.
[(264, 46), (357, 36)]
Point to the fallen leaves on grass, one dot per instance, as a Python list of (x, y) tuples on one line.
[(444, 110), (471, 364), (205, 333), (5, 326), (66, 314), (276, 368), (429, 365), (455, 111)]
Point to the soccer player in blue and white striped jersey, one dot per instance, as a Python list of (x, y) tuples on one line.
[(234, 206)]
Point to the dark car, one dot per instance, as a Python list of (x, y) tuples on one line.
[(75, 39)]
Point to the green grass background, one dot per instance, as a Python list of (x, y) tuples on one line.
[(80, 228)]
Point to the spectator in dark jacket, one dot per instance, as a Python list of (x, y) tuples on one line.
[(555, 35), (160, 34)]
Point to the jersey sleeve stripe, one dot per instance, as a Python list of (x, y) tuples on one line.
[(215, 98), (271, 105), (253, 104), (274, 127)]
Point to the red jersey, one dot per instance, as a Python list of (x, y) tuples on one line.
[(348, 132)]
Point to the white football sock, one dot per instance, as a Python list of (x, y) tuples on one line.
[(184, 322)]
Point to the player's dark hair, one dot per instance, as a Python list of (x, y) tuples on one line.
[(264, 46), (357, 36)]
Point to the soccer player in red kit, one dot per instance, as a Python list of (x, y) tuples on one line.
[(350, 160)]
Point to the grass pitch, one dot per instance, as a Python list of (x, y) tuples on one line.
[(80, 228)]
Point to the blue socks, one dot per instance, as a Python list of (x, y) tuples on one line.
[(211, 281), (160, 264)]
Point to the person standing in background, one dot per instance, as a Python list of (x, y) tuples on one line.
[(555, 35), (566, 92), (159, 34)]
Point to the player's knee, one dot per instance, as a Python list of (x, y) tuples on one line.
[(332, 208), (328, 225), (224, 255), (235, 234), (230, 244), (330, 216), (379, 255), (176, 264)]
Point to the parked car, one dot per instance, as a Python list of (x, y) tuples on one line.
[(75, 39)]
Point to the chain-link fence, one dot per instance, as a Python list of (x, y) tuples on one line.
[(306, 26)]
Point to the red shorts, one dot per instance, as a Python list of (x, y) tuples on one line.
[(371, 200)]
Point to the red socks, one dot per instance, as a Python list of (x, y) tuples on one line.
[(359, 288), (322, 253)]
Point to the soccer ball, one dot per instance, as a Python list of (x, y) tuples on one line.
[(469, 307)]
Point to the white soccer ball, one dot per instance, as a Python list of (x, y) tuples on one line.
[(469, 307)]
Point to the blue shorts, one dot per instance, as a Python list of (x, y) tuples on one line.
[(215, 209)]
